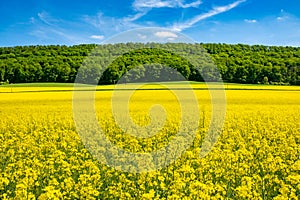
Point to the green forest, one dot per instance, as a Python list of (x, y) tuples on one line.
[(239, 63)]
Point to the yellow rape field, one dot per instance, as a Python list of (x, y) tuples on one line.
[(257, 155)]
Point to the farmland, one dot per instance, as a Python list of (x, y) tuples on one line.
[(257, 155)]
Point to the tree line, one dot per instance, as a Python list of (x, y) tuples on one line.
[(236, 63)]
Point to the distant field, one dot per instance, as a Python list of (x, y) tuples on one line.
[(35, 87)]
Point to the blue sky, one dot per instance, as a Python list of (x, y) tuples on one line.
[(65, 22)]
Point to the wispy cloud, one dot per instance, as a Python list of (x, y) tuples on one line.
[(96, 21), (142, 4), (49, 29), (46, 18), (31, 20), (250, 21), (213, 12), (135, 17), (53, 34), (108, 25)]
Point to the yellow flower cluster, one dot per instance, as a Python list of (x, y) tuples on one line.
[(257, 155)]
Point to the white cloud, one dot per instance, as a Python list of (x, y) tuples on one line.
[(279, 18), (165, 34), (142, 4), (213, 12), (193, 4), (97, 37), (283, 18), (251, 21), (171, 39), (141, 36)]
